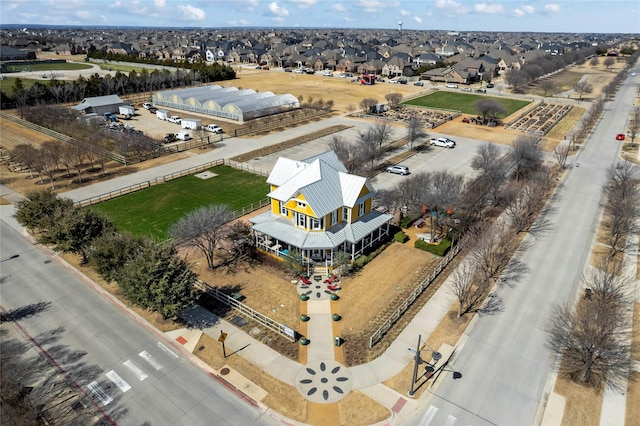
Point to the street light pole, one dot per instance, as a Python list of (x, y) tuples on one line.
[(415, 367)]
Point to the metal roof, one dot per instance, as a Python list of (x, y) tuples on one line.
[(99, 101)]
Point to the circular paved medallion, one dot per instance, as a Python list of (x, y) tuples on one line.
[(315, 290), (324, 382)]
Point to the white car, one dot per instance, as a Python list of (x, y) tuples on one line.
[(398, 169), (174, 119), (327, 73), (299, 70), (147, 105), (452, 85), (443, 142), (212, 128)]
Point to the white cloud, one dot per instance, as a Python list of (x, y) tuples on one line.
[(304, 3), (84, 14), (552, 7), (239, 23), (417, 19), (277, 10), (488, 8), (338, 7), (372, 6), (191, 13), (404, 12), (524, 10), (159, 3), (451, 6)]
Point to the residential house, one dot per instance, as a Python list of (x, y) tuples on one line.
[(448, 75), (319, 209)]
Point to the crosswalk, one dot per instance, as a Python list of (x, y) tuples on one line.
[(430, 414), (100, 393)]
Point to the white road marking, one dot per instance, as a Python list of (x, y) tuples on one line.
[(450, 420), (167, 350), (135, 370), (428, 416), (119, 381), (98, 393), (151, 360)]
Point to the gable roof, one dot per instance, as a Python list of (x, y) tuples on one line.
[(98, 101), (322, 180)]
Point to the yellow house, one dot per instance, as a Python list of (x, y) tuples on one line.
[(318, 209)]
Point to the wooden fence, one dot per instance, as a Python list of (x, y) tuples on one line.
[(422, 286), (256, 316), (64, 138), (277, 121)]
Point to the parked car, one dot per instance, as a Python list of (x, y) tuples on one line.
[(174, 119), (419, 83), (443, 142), (265, 67), (466, 89), (259, 67), (392, 81), (620, 137), (310, 71), (327, 73), (147, 105), (288, 70), (452, 85), (481, 90), (398, 169), (213, 128), (490, 85), (299, 71), (169, 137)]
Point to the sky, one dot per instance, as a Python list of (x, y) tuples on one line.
[(573, 16)]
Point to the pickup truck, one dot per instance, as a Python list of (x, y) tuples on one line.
[(212, 128), (174, 119), (443, 142)]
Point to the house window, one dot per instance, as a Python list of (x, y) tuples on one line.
[(361, 210), (317, 223), (302, 220), (283, 209), (345, 214), (302, 204), (334, 217)]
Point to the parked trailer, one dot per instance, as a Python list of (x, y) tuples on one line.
[(127, 110), (191, 123), (162, 114)]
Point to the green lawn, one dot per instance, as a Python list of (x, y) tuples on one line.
[(49, 66), (152, 211), (125, 69), (6, 85), (464, 102)]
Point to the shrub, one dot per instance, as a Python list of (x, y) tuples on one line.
[(406, 221), (401, 237), (440, 249), (361, 261)]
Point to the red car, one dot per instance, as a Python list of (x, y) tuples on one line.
[(620, 137)]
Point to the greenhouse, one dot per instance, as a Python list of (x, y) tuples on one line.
[(226, 102)]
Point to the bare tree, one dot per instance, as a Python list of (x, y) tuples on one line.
[(622, 206), (609, 62), (382, 132), (415, 129), (203, 229), (393, 99), (561, 153), (76, 155), (525, 155), (515, 78), (594, 61), (368, 147), (592, 342), (367, 103), (489, 108), (468, 289), (634, 125), (492, 168), (582, 88), (27, 155), (547, 85)]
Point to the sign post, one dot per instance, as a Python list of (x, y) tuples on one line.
[(221, 339)]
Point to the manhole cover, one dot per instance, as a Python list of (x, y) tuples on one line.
[(225, 371), (239, 321)]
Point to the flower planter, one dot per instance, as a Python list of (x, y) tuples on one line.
[(304, 341), (304, 318), (304, 297), (336, 317)]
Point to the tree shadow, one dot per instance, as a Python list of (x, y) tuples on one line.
[(515, 270), (26, 311), (492, 305)]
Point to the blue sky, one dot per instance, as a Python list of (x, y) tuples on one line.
[(616, 16)]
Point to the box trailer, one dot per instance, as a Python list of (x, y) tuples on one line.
[(191, 123), (183, 136), (127, 110), (162, 114)]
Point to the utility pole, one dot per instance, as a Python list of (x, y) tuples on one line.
[(415, 367)]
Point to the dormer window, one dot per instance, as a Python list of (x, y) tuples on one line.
[(302, 204)]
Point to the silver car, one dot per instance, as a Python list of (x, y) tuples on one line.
[(398, 169)]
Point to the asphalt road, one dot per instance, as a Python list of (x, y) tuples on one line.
[(504, 362), (134, 374)]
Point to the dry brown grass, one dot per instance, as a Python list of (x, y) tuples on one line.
[(583, 405), (358, 409), (632, 417)]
